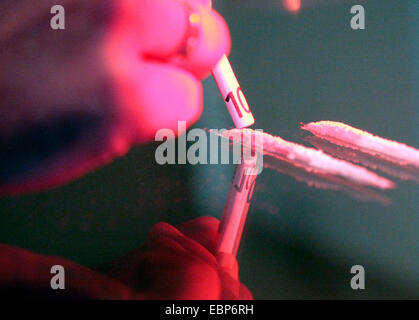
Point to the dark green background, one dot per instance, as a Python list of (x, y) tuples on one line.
[(299, 242)]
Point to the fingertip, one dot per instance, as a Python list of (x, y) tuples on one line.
[(212, 42)]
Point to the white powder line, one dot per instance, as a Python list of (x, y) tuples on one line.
[(311, 159), (347, 136), (319, 180)]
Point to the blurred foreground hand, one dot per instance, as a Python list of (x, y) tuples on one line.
[(73, 99)]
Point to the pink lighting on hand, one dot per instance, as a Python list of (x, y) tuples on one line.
[(292, 6)]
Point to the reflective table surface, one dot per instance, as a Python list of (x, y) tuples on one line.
[(298, 241)]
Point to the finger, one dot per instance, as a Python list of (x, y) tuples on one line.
[(152, 93), (154, 96), (160, 29), (157, 27), (211, 42), (204, 230)]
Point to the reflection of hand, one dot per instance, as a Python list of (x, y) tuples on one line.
[(180, 264), (74, 99), (174, 264)]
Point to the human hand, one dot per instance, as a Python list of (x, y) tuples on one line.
[(75, 99)]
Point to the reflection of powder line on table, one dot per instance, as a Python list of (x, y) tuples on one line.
[(324, 181), (311, 159), (347, 136), (391, 168)]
